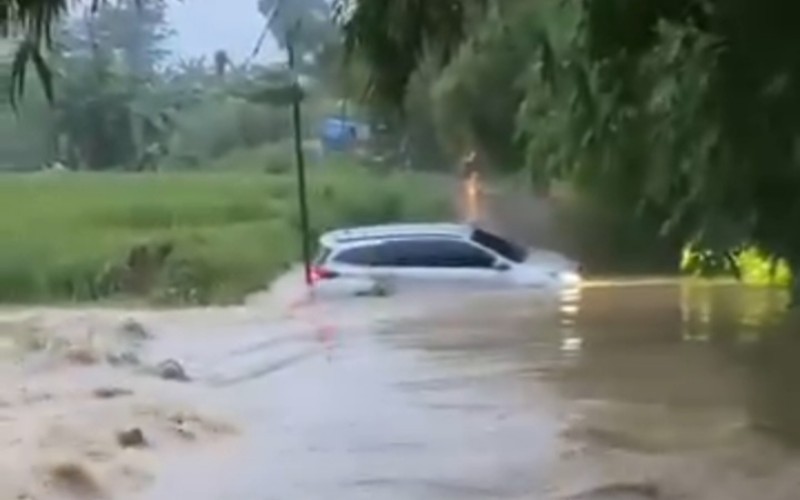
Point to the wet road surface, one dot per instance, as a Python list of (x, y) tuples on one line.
[(620, 391)]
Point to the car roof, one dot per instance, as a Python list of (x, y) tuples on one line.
[(392, 231)]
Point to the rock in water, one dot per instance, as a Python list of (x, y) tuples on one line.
[(621, 491), (111, 392), (172, 370), (73, 479), (125, 358), (132, 438), (135, 330)]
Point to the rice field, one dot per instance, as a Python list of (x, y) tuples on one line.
[(181, 237)]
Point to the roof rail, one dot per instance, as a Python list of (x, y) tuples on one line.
[(394, 231)]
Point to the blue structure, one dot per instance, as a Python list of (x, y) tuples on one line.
[(339, 134)]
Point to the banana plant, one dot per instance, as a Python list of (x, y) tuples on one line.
[(34, 23)]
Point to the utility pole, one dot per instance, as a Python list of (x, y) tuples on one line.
[(305, 229)]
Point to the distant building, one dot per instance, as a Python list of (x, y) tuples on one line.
[(342, 135)]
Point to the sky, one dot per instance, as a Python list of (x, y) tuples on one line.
[(205, 26)]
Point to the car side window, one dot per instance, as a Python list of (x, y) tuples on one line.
[(434, 253), (394, 253), (359, 256), (463, 255)]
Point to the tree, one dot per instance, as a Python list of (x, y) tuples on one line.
[(221, 63), (478, 95), (110, 107), (687, 116), (33, 22), (306, 24), (684, 111), (395, 36), (139, 30)]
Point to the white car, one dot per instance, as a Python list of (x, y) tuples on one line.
[(412, 255)]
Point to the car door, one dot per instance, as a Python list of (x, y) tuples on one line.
[(431, 262)]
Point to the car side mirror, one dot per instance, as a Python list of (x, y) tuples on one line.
[(501, 266)]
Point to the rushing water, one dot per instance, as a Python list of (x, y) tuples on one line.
[(665, 389), (686, 346), (625, 390)]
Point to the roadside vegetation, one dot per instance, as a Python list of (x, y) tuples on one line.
[(676, 133), (679, 116), (194, 238), (145, 177)]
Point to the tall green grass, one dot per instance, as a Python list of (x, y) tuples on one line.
[(67, 237)]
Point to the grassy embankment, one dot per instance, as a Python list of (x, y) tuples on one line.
[(181, 238)]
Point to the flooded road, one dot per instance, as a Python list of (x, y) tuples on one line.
[(618, 391)]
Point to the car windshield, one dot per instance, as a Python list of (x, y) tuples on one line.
[(507, 249)]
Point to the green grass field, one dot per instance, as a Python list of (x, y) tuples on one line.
[(70, 237)]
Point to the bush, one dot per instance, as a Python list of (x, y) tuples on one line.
[(278, 158), (750, 265), (217, 128)]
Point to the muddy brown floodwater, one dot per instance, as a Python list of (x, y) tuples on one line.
[(618, 391), (624, 390)]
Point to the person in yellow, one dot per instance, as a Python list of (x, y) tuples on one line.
[(471, 175)]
